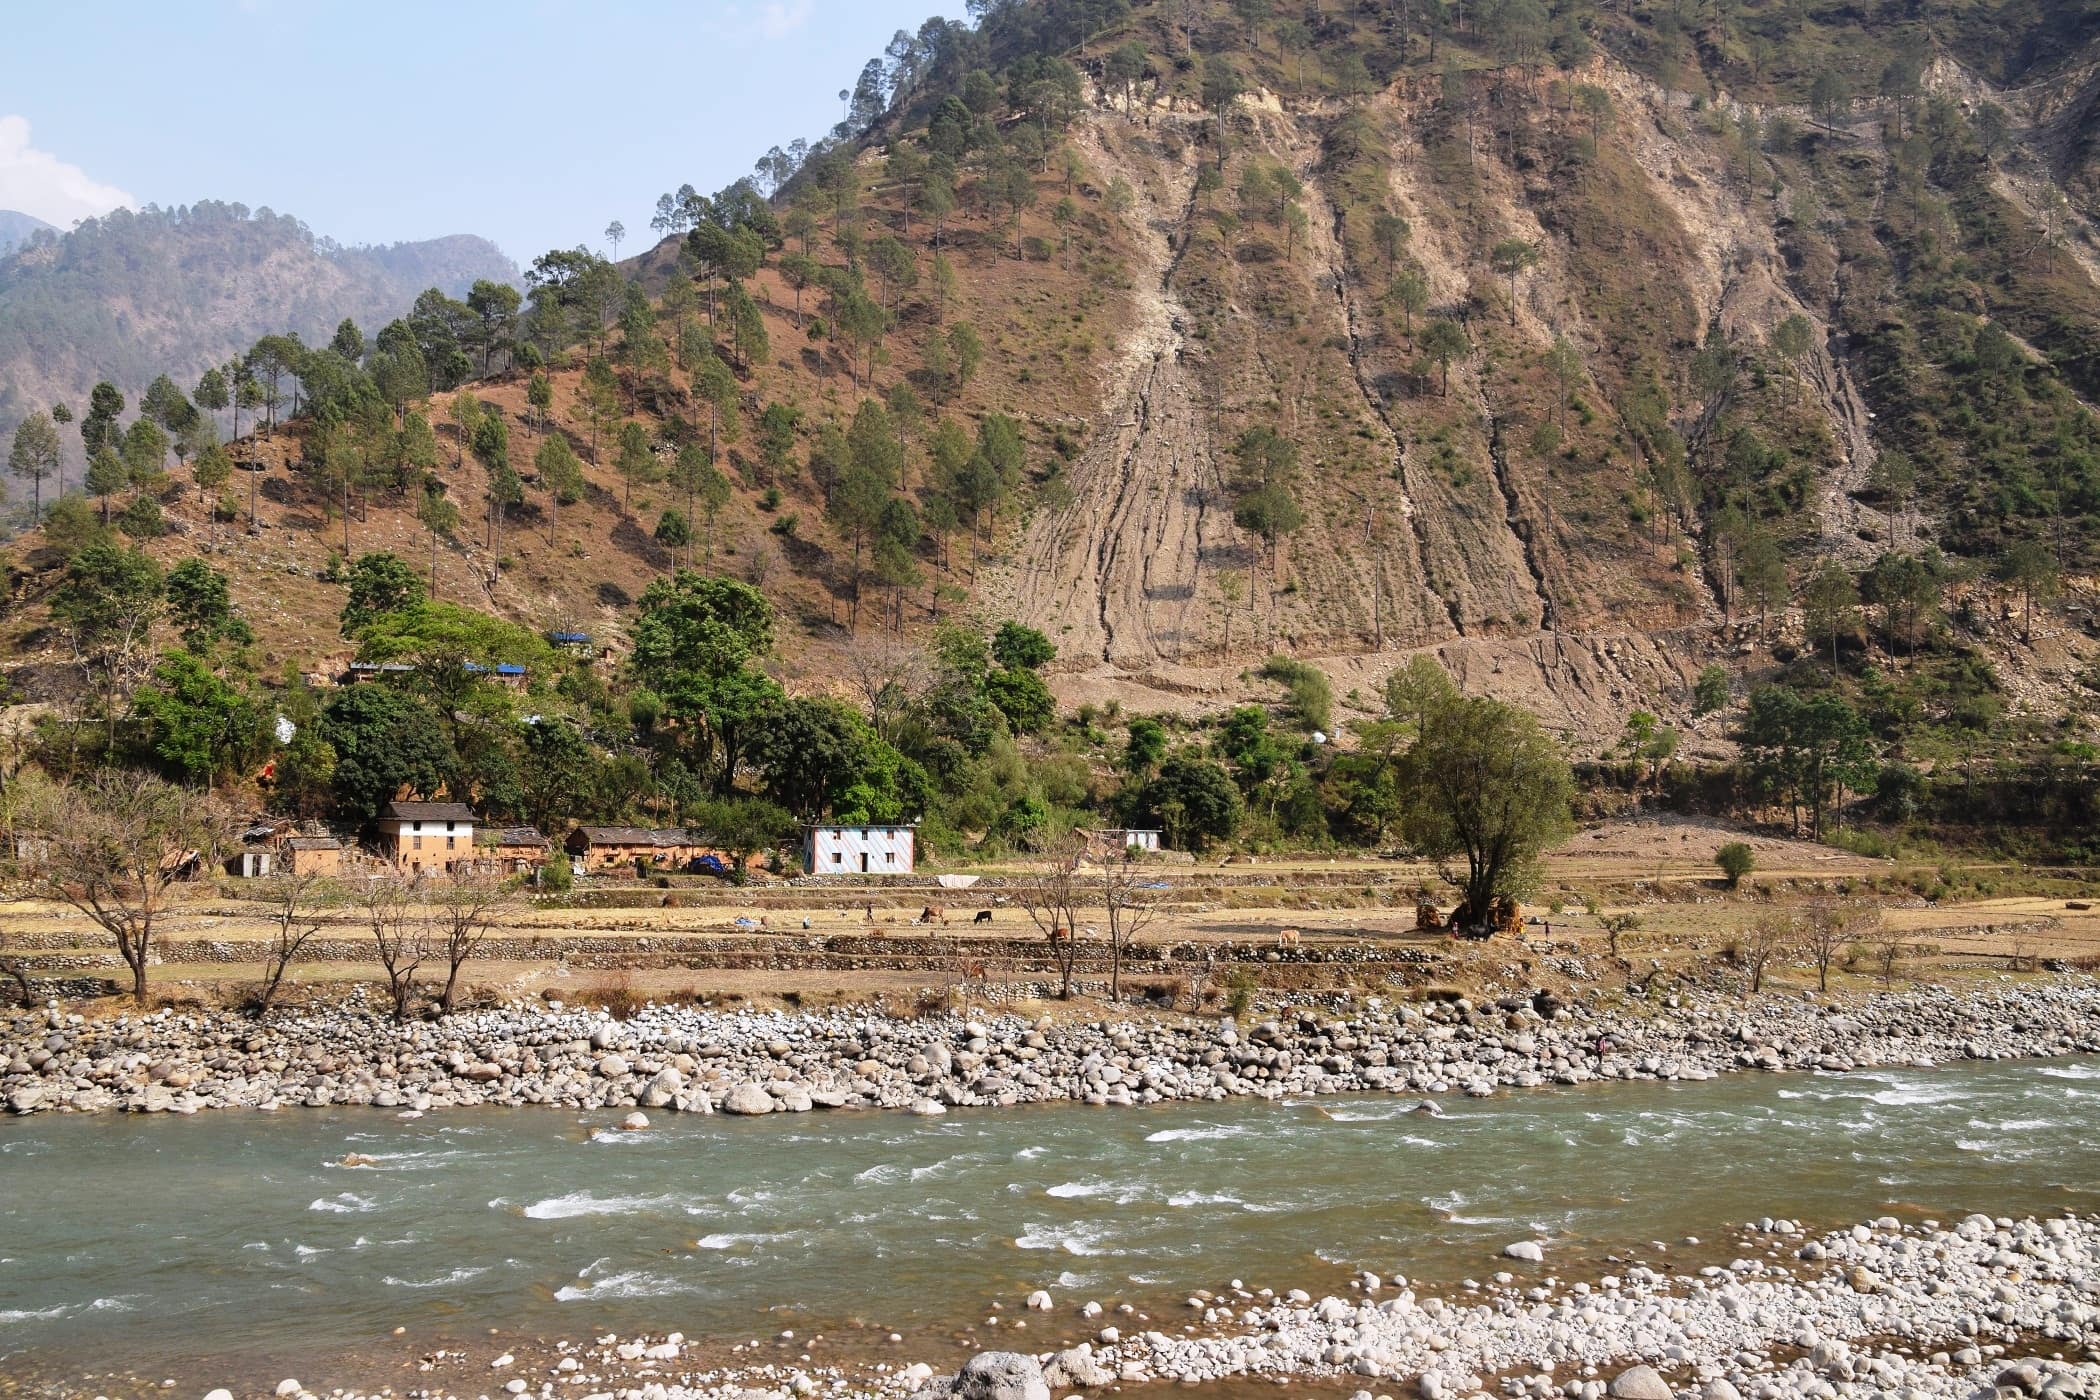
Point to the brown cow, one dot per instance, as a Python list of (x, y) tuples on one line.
[(1060, 934), (1287, 938), (933, 914)]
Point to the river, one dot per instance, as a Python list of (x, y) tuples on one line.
[(227, 1240)]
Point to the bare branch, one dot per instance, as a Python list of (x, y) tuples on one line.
[(296, 904), (117, 846), (466, 907), (400, 933)]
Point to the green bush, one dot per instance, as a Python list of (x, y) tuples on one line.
[(1736, 861)]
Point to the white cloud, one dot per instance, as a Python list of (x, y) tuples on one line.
[(767, 20), (37, 182), (779, 18)]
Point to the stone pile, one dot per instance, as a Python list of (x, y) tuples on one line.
[(686, 1059)]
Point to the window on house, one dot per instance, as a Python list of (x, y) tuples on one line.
[(419, 843)]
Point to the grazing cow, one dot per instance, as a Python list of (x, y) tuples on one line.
[(984, 916), (933, 914), (1060, 934), (1287, 938)]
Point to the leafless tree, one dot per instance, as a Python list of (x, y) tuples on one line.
[(1770, 937), (115, 848), (11, 968), (401, 934), (295, 903), (1126, 899), (1888, 951), (467, 906), (888, 671), (1830, 927), (1052, 895)]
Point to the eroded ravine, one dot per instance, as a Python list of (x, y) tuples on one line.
[(1117, 575)]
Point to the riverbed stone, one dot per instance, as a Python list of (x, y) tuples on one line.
[(1640, 1383), (1000, 1375), (748, 1099)]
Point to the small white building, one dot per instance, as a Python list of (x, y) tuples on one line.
[(829, 849), (1112, 842)]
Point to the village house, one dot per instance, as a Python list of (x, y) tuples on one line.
[(359, 672), (602, 848), (597, 850), (859, 849), (420, 836), (310, 855), (508, 674), (511, 850), (1118, 842)]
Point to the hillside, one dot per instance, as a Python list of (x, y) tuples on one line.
[(16, 227), (174, 291), (1619, 362)]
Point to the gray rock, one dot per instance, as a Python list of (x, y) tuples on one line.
[(1000, 1375), (1527, 1250)]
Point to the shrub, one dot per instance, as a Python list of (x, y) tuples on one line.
[(1736, 860), (1240, 985), (1710, 693), (617, 997), (142, 519)]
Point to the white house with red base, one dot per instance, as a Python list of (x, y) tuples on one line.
[(842, 849)]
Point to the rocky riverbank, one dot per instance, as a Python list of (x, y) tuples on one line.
[(693, 1060), (1987, 1307)]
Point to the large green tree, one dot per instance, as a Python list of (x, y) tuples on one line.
[(200, 725), (379, 583), (387, 743), (1486, 783), (696, 642)]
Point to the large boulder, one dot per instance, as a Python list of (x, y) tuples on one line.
[(1640, 1383), (1000, 1375), (747, 1098)]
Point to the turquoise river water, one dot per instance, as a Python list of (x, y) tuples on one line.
[(172, 1244)]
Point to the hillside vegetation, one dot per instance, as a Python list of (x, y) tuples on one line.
[(139, 293), (17, 227), (1714, 382)]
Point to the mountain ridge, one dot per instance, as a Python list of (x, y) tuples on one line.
[(16, 229), (176, 291)]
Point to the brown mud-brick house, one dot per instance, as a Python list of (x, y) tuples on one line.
[(601, 848), (512, 850), (605, 849), (427, 836), (310, 855), (622, 847)]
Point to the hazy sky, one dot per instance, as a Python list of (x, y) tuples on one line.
[(535, 122)]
